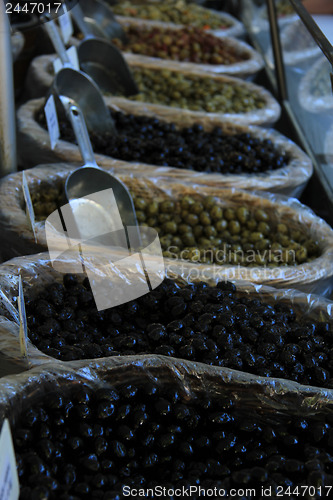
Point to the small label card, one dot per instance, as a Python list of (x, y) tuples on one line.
[(73, 57), (52, 121), (28, 203), (66, 25), (23, 322), (9, 482)]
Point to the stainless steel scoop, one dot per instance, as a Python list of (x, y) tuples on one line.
[(79, 86), (82, 89), (90, 179), (99, 59), (107, 67), (92, 17)]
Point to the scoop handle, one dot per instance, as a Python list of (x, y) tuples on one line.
[(56, 40), (78, 16), (76, 118)]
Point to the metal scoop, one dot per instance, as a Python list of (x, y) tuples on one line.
[(101, 60), (90, 179), (93, 18), (82, 89)]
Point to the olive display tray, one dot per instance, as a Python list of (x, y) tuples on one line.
[(312, 277), (40, 78), (34, 148)]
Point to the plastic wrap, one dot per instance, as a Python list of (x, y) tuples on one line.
[(35, 148), (323, 101), (37, 272), (253, 394), (40, 78), (236, 29), (293, 53), (313, 277)]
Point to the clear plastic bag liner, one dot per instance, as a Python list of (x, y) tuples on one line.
[(293, 54), (38, 272), (313, 277), (40, 78), (321, 102), (273, 398), (289, 180)]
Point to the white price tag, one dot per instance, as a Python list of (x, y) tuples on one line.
[(66, 25), (52, 121), (73, 57), (23, 322), (28, 203), (9, 482)]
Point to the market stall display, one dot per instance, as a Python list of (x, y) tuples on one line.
[(133, 421), (220, 376)]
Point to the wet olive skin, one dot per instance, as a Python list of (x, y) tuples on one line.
[(156, 436)]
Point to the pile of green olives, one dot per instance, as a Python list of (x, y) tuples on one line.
[(198, 229), (197, 93)]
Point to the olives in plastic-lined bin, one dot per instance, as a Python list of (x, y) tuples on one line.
[(178, 13), (194, 92), (146, 139), (101, 439)]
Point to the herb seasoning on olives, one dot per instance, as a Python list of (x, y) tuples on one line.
[(188, 44), (177, 13), (193, 92), (85, 443), (149, 140), (194, 322)]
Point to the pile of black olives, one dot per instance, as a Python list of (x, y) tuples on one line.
[(148, 140), (212, 325), (103, 443)]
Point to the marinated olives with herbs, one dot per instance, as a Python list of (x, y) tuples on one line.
[(194, 92), (176, 12), (202, 231), (149, 140), (187, 44), (213, 325), (204, 441)]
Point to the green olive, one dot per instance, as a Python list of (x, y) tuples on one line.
[(229, 214), (243, 214), (140, 203), (170, 227), (234, 227), (216, 213), (167, 206), (261, 216), (210, 231), (152, 208), (205, 219), (192, 219)]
